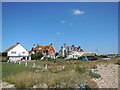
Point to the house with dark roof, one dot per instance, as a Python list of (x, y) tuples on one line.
[(17, 52), (47, 51)]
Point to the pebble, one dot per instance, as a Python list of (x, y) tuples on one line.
[(109, 76), (6, 85)]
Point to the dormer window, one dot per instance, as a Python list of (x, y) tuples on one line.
[(13, 52)]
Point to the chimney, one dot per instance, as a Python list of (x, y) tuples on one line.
[(79, 47), (17, 43), (34, 45), (64, 44), (72, 45)]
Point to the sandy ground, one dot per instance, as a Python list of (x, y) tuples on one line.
[(109, 76)]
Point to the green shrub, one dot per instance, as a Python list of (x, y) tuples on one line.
[(56, 85), (94, 75), (83, 85), (61, 57), (36, 56), (79, 58), (80, 69), (94, 58), (5, 58), (48, 58)]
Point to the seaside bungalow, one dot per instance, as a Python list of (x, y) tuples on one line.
[(73, 52), (17, 52), (47, 51)]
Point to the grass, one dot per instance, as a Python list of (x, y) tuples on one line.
[(51, 79), (55, 76), (13, 68), (81, 69), (118, 62)]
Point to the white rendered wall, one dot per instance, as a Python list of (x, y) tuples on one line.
[(63, 54), (19, 51)]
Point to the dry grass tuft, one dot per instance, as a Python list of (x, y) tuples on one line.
[(55, 76), (28, 79)]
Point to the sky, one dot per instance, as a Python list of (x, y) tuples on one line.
[(93, 26)]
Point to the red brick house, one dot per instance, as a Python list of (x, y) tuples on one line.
[(47, 51)]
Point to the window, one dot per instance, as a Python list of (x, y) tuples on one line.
[(23, 52), (13, 52), (51, 52)]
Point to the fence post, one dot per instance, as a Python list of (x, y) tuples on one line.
[(63, 67), (19, 62), (25, 63), (33, 64), (46, 66)]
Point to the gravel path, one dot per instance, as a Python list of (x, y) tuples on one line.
[(109, 76)]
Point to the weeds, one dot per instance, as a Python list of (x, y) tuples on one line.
[(80, 69), (83, 86), (94, 75), (118, 62), (55, 76), (28, 79)]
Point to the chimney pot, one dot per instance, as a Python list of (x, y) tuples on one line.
[(17, 43)]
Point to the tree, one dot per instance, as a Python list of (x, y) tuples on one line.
[(36, 56), (39, 55), (56, 54)]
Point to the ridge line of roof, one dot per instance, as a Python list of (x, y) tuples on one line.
[(11, 47)]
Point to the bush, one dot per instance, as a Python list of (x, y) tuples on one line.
[(80, 58), (5, 58), (118, 62), (48, 58), (56, 85), (36, 56), (94, 75), (83, 85), (94, 58), (61, 57), (80, 69)]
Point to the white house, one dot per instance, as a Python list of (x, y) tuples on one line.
[(73, 52), (17, 52), (67, 51)]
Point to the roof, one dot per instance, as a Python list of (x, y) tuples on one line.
[(89, 54), (40, 47), (10, 48), (83, 53)]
